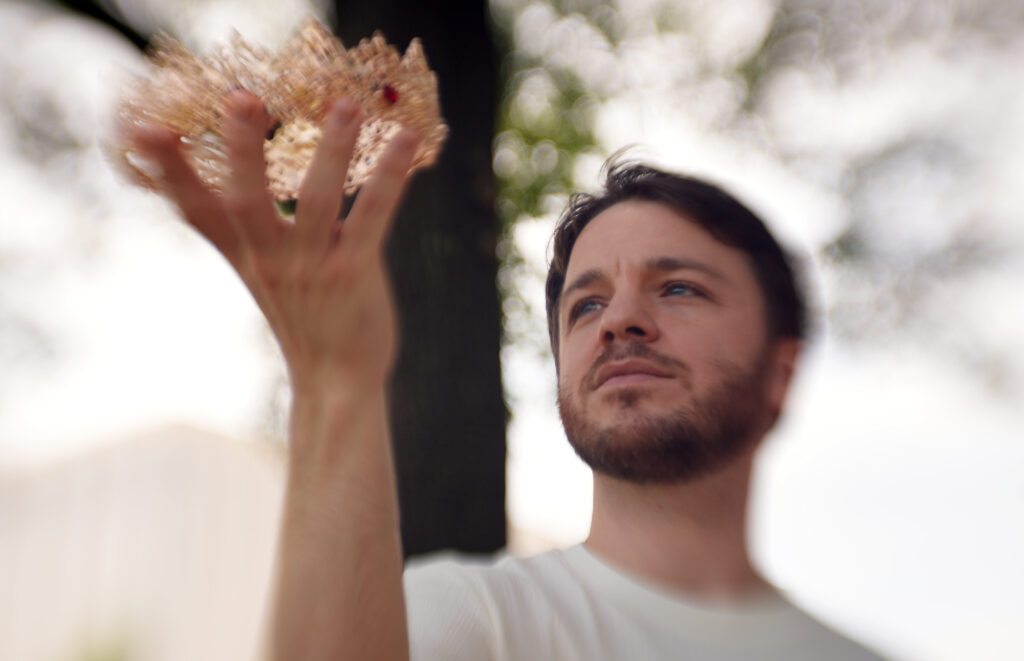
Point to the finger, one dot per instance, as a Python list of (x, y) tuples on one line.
[(246, 198), (323, 186), (200, 206), (377, 202)]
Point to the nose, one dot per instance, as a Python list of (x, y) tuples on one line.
[(627, 318)]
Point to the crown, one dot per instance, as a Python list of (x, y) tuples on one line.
[(297, 85)]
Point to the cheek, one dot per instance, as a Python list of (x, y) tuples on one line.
[(707, 349), (567, 373), (740, 336), (571, 367)]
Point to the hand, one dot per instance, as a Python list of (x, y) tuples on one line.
[(320, 282)]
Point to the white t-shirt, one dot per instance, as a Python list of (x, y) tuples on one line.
[(566, 605)]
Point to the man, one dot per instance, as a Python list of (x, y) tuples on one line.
[(676, 326), (675, 321)]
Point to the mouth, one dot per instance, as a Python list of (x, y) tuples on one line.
[(629, 372)]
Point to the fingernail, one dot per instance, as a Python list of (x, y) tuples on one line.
[(408, 139), (344, 111), (236, 109), (147, 137), (241, 106), (145, 164)]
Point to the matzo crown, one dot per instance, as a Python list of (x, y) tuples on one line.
[(297, 85)]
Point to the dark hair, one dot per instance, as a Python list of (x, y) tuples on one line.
[(724, 217)]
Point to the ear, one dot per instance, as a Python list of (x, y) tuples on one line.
[(782, 358)]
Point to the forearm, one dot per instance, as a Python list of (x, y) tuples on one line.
[(339, 583)]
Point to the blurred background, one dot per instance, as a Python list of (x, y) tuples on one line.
[(142, 399)]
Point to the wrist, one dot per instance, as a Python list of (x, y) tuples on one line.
[(332, 417), (325, 383)]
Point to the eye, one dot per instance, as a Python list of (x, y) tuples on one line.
[(681, 289), (582, 307)]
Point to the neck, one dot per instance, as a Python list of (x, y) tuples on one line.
[(687, 537)]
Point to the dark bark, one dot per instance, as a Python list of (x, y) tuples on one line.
[(107, 14), (447, 407)]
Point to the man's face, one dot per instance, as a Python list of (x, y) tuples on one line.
[(665, 371)]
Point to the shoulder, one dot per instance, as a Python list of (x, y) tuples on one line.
[(491, 585), (570, 605), (461, 607), (816, 639), (447, 615)]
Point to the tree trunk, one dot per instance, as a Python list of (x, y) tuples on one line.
[(448, 415)]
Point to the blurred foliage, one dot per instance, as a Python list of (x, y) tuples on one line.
[(907, 235), (554, 86), (45, 129), (546, 120), (842, 35), (912, 229)]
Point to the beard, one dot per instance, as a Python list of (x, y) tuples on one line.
[(681, 444)]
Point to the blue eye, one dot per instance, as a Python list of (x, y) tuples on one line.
[(583, 307), (680, 289)]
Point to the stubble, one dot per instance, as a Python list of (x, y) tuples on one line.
[(693, 439)]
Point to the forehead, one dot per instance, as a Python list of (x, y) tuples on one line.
[(632, 233)]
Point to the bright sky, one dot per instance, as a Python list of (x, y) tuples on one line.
[(891, 497)]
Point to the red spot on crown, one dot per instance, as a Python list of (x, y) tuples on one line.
[(390, 93)]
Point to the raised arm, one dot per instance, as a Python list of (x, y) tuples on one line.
[(322, 285)]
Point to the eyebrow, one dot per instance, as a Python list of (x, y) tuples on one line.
[(666, 264), (585, 279), (663, 264)]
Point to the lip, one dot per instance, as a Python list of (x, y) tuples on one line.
[(628, 372)]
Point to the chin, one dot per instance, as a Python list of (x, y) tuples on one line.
[(656, 449), (636, 398), (644, 434)]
